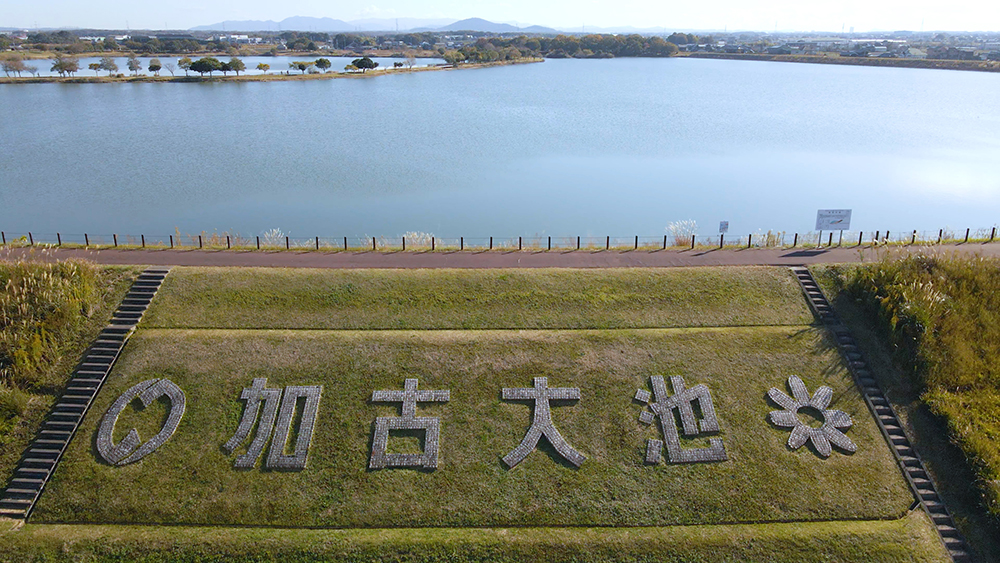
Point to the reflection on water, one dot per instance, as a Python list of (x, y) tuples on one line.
[(565, 147)]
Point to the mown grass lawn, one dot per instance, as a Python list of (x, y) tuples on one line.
[(477, 299), (190, 480), (909, 539)]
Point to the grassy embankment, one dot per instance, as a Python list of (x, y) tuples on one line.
[(49, 313), (933, 336), (738, 330), (836, 59), (252, 77)]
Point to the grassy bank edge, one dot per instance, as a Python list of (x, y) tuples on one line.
[(911, 538)]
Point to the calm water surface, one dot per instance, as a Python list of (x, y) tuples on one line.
[(565, 147)]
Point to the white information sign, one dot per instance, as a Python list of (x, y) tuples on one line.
[(723, 226), (833, 219)]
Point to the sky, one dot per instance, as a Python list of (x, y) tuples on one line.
[(783, 15)]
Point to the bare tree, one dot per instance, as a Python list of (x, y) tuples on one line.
[(171, 67), (411, 59)]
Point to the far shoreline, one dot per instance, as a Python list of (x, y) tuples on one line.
[(932, 64), (277, 76)]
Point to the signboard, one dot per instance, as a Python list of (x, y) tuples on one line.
[(833, 219), (723, 226)]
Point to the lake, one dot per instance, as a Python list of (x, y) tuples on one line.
[(564, 148)]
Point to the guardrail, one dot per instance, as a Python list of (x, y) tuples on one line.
[(272, 242)]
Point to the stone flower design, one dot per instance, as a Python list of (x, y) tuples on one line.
[(833, 421)]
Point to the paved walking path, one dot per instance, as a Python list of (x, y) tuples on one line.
[(496, 259)]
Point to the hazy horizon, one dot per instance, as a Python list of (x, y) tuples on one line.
[(734, 15)]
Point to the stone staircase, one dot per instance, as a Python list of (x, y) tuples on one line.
[(909, 461), (39, 462)]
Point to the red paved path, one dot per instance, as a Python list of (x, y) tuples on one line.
[(495, 259)]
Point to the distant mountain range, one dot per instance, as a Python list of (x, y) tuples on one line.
[(328, 25)]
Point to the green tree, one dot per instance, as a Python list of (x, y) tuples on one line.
[(323, 64), (365, 64), (236, 65), (133, 64), (350, 68), (109, 44), (263, 67), (108, 64), (185, 64), (206, 64), (453, 57), (96, 67), (300, 65), (155, 66), (225, 68), (65, 65)]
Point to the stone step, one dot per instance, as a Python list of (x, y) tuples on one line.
[(13, 493), (27, 483), (15, 503)]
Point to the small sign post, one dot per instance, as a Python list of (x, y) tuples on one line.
[(723, 229), (832, 220)]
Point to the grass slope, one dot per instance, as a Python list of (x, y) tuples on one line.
[(907, 539), (191, 481), (477, 299)]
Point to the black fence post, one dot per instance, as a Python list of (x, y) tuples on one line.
[(861, 236), (288, 244), (749, 240), (258, 243), (172, 242), (229, 245), (550, 243), (940, 235), (692, 242), (143, 237), (607, 243), (491, 243), (636, 242), (578, 243), (31, 239), (432, 243), (3, 236), (115, 236), (829, 243), (317, 243), (461, 243), (59, 239), (373, 243), (887, 237), (404, 244), (993, 234), (967, 235), (86, 240), (345, 243), (664, 242), (913, 239), (519, 243), (722, 239), (201, 244), (795, 241)]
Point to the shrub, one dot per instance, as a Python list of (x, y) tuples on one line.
[(41, 306)]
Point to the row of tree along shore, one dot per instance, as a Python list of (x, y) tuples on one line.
[(205, 69)]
